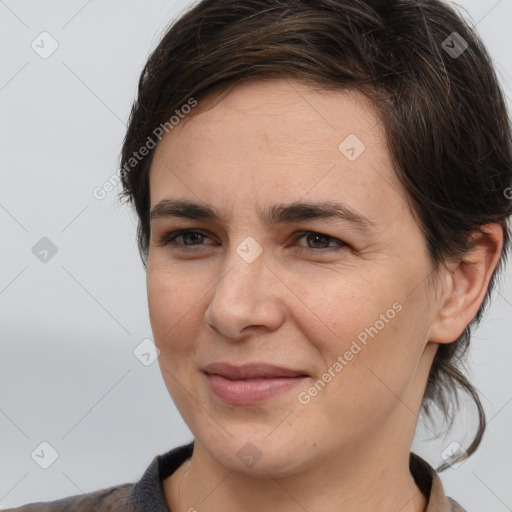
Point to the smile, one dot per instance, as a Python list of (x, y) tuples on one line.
[(250, 391)]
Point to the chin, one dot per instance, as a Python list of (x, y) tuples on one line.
[(255, 455)]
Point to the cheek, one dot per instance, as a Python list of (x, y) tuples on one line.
[(362, 381), (172, 303), (365, 335), (174, 319), (340, 305)]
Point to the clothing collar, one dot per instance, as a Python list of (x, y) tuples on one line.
[(149, 496)]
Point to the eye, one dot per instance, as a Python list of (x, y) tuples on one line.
[(318, 242), (315, 242), (188, 237)]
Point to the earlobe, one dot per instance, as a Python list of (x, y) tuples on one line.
[(466, 285)]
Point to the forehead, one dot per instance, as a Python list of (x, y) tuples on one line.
[(276, 139)]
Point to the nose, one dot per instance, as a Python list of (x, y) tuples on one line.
[(246, 297)]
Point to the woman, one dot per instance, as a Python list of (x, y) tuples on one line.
[(323, 191)]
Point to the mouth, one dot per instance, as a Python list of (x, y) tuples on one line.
[(250, 384), (252, 371)]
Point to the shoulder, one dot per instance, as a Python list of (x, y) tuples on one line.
[(110, 499), (145, 495)]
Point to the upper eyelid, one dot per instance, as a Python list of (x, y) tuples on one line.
[(179, 232), (169, 237)]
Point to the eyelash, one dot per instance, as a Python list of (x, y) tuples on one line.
[(169, 240)]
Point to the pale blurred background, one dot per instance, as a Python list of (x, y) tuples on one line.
[(69, 326)]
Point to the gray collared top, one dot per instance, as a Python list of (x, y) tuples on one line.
[(147, 494)]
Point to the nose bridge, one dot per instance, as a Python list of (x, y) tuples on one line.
[(239, 286), (241, 297), (240, 280)]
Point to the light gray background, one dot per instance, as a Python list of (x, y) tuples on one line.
[(68, 327)]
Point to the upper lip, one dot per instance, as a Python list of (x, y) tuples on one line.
[(251, 371)]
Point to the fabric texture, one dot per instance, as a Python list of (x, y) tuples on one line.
[(147, 494)]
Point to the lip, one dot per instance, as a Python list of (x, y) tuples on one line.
[(251, 371), (252, 383)]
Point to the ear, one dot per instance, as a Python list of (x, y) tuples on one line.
[(464, 284)]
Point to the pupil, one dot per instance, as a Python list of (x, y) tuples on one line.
[(191, 237), (317, 237)]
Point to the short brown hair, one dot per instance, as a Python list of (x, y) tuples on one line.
[(440, 102)]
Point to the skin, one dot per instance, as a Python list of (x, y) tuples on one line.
[(276, 141)]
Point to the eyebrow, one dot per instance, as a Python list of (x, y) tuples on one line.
[(277, 214)]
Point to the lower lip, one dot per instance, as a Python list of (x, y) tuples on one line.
[(250, 391)]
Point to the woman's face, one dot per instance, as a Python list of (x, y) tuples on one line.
[(341, 298)]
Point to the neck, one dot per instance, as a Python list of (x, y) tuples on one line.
[(200, 484)]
